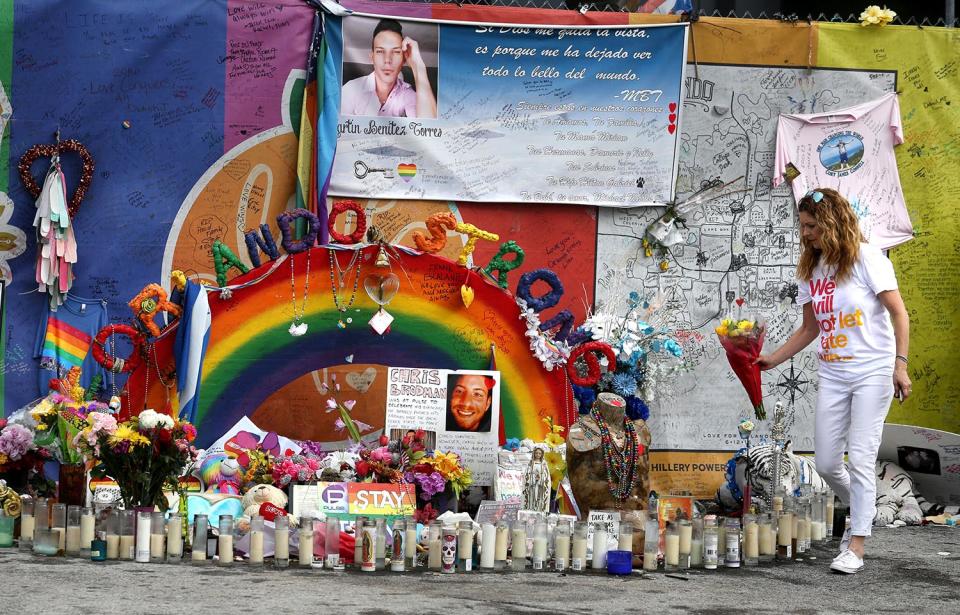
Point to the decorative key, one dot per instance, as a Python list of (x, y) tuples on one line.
[(361, 170)]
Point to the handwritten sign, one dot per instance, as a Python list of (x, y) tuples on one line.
[(594, 109)]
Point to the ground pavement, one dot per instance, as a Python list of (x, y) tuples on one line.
[(910, 570)]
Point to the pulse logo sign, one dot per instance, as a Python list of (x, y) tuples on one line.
[(334, 498)]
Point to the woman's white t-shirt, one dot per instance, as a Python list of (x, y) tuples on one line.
[(856, 335)]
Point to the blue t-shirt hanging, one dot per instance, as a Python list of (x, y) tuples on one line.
[(65, 340)]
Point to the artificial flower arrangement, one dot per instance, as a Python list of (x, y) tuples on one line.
[(646, 352), (743, 340), (145, 455), (873, 15), (299, 468), (21, 461), (62, 414)]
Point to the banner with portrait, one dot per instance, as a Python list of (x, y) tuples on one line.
[(507, 113), (459, 410)]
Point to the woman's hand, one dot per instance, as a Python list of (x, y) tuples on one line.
[(766, 361), (901, 382)]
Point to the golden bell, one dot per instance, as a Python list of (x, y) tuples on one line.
[(382, 260)]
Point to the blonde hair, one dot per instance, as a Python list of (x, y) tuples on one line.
[(840, 235)]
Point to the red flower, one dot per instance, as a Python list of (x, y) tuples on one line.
[(3, 423), (417, 447), (426, 514), (363, 468), (164, 436), (420, 434), (384, 440), (407, 440)]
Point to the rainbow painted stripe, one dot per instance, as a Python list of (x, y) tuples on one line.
[(251, 355), (407, 170)]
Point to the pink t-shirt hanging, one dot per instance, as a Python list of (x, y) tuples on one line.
[(851, 151)]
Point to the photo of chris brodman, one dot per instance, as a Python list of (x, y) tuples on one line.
[(470, 402)]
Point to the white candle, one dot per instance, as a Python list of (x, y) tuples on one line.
[(175, 537), (73, 540), (306, 545), (465, 544), (518, 542), (88, 527), (599, 549), (143, 538), (410, 541), (686, 538), (625, 541), (27, 525), (767, 540), (62, 538), (488, 541), (819, 531), (672, 550), (199, 553), (539, 552), (561, 551), (113, 546), (256, 547), (434, 556), (156, 546), (785, 530), (696, 552), (578, 552), (503, 538), (751, 540), (281, 550), (225, 549)]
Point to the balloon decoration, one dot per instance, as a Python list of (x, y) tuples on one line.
[(151, 301), (223, 260), (437, 225), (502, 266), (474, 234), (262, 241), (285, 220), (357, 235)]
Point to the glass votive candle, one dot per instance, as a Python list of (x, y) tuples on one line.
[(696, 544), (651, 544), (225, 541), (751, 540), (46, 542), (561, 547), (768, 537), (128, 523), (72, 543), (256, 541), (685, 530), (332, 544), (305, 542), (281, 539), (142, 549), (58, 522), (174, 538), (578, 546), (671, 548), (158, 535), (27, 522), (113, 534), (198, 555), (6, 531), (88, 531)]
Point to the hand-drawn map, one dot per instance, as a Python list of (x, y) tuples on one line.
[(740, 245)]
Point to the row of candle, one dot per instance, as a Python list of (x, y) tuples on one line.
[(710, 542)]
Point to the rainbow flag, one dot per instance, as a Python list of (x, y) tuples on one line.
[(64, 345)]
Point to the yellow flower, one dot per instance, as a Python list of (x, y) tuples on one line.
[(41, 426), (664, 265), (3, 459), (647, 252), (746, 325), (447, 464), (554, 440), (886, 16), (721, 330), (126, 433), (556, 465), (736, 333)]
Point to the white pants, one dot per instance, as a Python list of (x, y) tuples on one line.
[(850, 418)]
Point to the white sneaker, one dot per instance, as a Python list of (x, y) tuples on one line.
[(845, 541), (847, 563)]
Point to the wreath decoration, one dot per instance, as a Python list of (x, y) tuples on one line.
[(116, 364), (589, 353), (48, 151)]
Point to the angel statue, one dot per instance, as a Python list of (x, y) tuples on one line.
[(536, 488)]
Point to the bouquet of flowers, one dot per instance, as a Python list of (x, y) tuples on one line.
[(296, 469), (743, 340), (21, 461), (145, 455), (646, 352), (62, 414)]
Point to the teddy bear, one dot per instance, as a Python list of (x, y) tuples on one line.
[(219, 473), (257, 496)]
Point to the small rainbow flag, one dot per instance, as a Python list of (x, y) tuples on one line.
[(407, 170)]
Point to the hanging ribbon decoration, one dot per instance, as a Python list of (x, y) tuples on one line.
[(56, 242)]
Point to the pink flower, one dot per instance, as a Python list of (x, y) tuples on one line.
[(382, 454), (331, 404), (349, 404)]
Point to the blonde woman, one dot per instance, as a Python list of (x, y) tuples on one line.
[(848, 292)]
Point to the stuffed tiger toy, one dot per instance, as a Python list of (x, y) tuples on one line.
[(898, 498), (794, 471)]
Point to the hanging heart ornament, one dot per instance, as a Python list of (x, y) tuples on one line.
[(381, 288)]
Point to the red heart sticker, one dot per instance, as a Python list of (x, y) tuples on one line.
[(740, 301), (270, 512), (673, 118), (672, 128), (673, 107)]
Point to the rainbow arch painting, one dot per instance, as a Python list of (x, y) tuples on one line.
[(251, 353)]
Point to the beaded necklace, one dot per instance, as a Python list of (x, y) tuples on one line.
[(297, 326), (335, 264), (621, 465)]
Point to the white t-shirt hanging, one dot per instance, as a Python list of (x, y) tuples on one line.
[(856, 335), (851, 151)]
